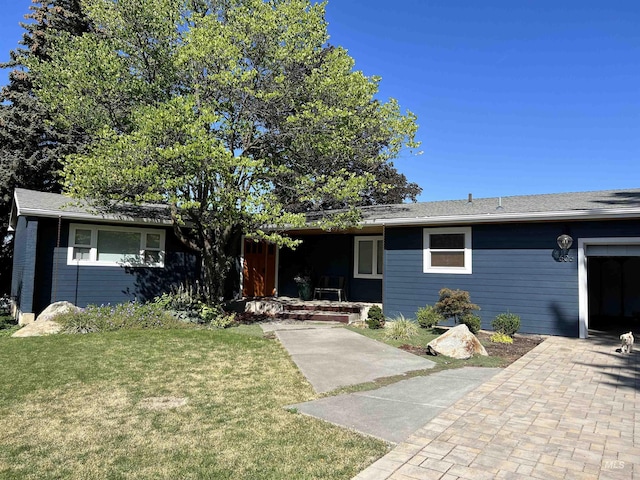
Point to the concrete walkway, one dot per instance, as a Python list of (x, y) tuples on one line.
[(331, 358), (569, 409), (394, 412)]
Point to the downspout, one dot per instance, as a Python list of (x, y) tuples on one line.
[(384, 261), (54, 293)]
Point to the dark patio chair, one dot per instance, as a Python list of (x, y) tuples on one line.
[(329, 284)]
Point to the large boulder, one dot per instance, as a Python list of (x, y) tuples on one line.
[(38, 329), (55, 309), (457, 342), (45, 324)]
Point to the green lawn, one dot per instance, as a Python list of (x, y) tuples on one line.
[(86, 407)]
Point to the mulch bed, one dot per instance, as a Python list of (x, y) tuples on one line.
[(508, 351)]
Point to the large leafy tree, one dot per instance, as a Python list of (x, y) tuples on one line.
[(236, 113), (31, 147)]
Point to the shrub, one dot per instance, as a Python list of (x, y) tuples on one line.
[(472, 322), (7, 321), (8, 325), (5, 305), (501, 338), (183, 302), (129, 316), (507, 323), (216, 317), (428, 316), (400, 328), (375, 318), (455, 304)]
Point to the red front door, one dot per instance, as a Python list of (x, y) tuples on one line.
[(259, 269)]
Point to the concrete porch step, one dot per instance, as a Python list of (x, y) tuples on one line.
[(322, 308), (318, 316)]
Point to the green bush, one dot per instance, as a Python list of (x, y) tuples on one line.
[(7, 321), (428, 316), (129, 316), (473, 322), (501, 338), (455, 304), (507, 323), (8, 325), (183, 302), (375, 318), (400, 328), (215, 316)]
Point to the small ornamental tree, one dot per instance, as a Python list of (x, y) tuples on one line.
[(455, 304)]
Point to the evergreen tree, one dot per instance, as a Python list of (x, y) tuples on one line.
[(31, 147)]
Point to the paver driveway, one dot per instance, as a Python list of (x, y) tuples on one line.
[(568, 409)]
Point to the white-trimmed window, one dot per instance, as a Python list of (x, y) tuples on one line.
[(115, 246), (369, 255), (447, 250)]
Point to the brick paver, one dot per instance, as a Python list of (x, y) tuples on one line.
[(569, 409)]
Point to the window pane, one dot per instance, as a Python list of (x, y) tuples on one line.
[(447, 259), (153, 240), (82, 237), (380, 245), (365, 257), (81, 253), (446, 241), (118, 246), (152, 257)]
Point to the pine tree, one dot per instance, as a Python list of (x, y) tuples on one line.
[(31, 146)]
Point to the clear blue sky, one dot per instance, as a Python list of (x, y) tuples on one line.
[(512, 96)]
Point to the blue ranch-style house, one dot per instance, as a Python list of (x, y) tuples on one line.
[(565, 263)]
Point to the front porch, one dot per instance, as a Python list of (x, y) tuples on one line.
[(289, 308)]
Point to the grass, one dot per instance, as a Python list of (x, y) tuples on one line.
[(103, 406)]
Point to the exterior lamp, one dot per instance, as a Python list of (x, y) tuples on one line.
[(565, 242)]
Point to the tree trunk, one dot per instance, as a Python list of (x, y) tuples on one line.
[(220, 260)]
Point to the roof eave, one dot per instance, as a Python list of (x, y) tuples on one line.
[(621, 213), (37, 212)]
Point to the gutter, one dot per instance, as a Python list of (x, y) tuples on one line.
[(37, 212), (599, 214)]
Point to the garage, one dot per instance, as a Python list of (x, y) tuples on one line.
[(612, 285)]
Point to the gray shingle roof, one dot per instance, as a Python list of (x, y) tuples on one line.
[(43, 204), (559, 205)]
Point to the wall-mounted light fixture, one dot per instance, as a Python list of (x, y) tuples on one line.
[(564, 242)]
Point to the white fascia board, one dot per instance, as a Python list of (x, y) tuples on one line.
[(13, 214), (621, 213), (37, 212)]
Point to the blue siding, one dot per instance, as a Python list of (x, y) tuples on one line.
[(330, 255), (100, 285), (85, 285), (24, 263), (513, 270), (47, 238)]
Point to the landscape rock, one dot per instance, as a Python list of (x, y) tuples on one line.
[(457, 342), (38, 329), (55, 309), (45, 324)]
